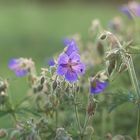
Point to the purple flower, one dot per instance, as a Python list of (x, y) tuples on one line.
[(97, 86), (51, 62), (21, 66), (70, 66), (71, 46), (126, 11), (131, 9)]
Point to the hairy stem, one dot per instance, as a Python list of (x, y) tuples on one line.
[(77, 114), (137, 90)]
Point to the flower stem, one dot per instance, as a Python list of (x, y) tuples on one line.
[(76, 112), (56, 117), (137, 90), (77, 115), (85, 124)]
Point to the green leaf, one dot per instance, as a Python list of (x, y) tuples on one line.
[(134, 50), (118, 99)]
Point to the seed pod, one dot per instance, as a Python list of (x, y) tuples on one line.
[(103, 36), (111, 66), (3, 133), (109, 136), (100, 48), (39, 88), (42, 80), (91, 107), (54, 85)]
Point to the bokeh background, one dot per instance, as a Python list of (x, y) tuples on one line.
[(36, 29)]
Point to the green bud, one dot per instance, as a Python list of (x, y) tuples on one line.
[(100, 48), (42, 80), (103, 36), (54, 85), (3, 133)]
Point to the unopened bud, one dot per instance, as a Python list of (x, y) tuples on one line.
[(54, 85), (42, 80), (91, 107), (111, 66), (100, 48), (109, 136), (103, 36), (3, 133)]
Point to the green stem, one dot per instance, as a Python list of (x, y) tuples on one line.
[(137, 90), (85, 124), (76, 112), (133, 77), (56, 117), (77, 115), (138, 125)]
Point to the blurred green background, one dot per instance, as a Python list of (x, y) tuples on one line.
[(37, 28)]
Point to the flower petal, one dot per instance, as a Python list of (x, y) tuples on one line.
[(21, 73), (71, 76), (61, 70), (99, 87), (63, 58), (126, 11), (75, 57), (13, 63), (71, 46), (79, 68)]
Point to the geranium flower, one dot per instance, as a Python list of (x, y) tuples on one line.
[(21, 66), (97, 86), (70, 66), (132, 8), (71, 46)]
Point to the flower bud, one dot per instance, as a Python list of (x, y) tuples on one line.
[(100, 48), (109, 136), (61, 134), (3, 98), (3, 133), (91, 107), (111, 66), (42, 80), (54, 85), (103, 36)]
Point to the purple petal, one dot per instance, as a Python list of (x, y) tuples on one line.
[(63, 58), (75, 58), (138, 11), (126, 11), (13, 63), (98, 87), (21, 73), (79, 68), (71, 46), (61, 70), (71, 76), (51, 62)]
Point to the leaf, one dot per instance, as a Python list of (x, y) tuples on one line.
[(134, 50), (23, 110), (119, 98)]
